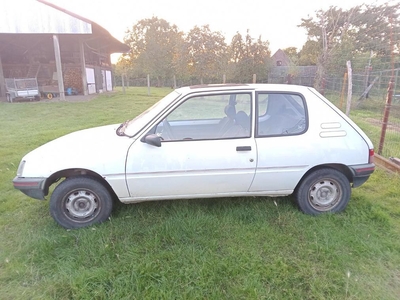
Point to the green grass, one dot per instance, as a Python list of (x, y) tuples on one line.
[(370, 122), (239, 248)]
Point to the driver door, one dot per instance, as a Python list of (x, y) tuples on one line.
[(202, 154)]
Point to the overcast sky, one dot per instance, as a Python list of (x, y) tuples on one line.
[(276, 21)]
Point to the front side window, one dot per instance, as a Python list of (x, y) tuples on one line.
[(280, 114), (208, 117)]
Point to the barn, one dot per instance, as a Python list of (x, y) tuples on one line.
[(62, 52)]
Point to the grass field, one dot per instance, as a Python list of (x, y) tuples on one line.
[(256, 248)]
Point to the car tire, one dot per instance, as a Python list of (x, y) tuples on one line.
[(79, 202), (323, 191)]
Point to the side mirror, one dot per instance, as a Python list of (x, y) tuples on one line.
[(152, 139)]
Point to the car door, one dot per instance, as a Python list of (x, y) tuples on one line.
[(203, 152)]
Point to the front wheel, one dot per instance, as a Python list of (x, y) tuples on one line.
[(324, 190), (79, 202)]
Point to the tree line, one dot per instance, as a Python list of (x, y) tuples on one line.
[(201, 55), (367, 33)]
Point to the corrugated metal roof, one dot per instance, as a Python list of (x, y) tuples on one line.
[(33, 17)]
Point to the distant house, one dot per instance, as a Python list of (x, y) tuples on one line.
[(61, 49), (285, 71), (280, 59)]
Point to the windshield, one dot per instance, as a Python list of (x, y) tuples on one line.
[(131, 127)]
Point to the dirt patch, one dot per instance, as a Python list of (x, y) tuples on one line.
[(390, 126)]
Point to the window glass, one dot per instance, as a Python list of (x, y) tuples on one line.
[(199, 108), (280, 114), (208, 117)]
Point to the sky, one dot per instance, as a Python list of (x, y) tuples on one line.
[(276, 21)]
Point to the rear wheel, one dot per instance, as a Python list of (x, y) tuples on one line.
[(79, 202), (324, 190)]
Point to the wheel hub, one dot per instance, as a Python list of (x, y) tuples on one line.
[(81, 204), (324, 195)]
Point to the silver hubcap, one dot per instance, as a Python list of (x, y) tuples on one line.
[(81, 204), (324, 194)]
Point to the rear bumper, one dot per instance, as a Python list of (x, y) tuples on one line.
[(32, 187), (361, 173)]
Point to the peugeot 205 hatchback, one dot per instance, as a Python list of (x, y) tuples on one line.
[(206, 142)]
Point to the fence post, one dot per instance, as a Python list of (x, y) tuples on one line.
[(2, 82), (254, 78), (395, 83), (349, 88), (123, 82), (343, 90), (148, 84)]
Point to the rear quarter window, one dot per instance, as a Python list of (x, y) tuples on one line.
[(280, 114)]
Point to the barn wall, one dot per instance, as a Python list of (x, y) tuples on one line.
[(39, 61)]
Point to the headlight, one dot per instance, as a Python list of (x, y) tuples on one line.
[(21, 168)]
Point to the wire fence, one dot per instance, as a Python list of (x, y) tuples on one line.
[(375, 110)]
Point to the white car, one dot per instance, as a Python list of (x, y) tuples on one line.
[(206, 142)]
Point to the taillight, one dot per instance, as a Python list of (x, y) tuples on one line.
[(371, 156)]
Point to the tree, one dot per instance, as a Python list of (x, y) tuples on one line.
[(207, 53), (377, 27), (261, 58), (344, 34), (161, 50), (308, 55), (122, 68), (329, 30), (292, 53), (154, 46), (248, 57)]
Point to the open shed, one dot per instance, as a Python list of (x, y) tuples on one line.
[(65, 52)]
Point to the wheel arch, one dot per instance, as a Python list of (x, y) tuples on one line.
[(57, 176), (338, 167)]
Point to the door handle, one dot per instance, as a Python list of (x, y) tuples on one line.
[(243, 148)]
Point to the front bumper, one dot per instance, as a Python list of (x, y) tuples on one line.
[(361, 173), (32, 187)]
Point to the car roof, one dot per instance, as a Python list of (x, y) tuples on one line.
[(253, 86)]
